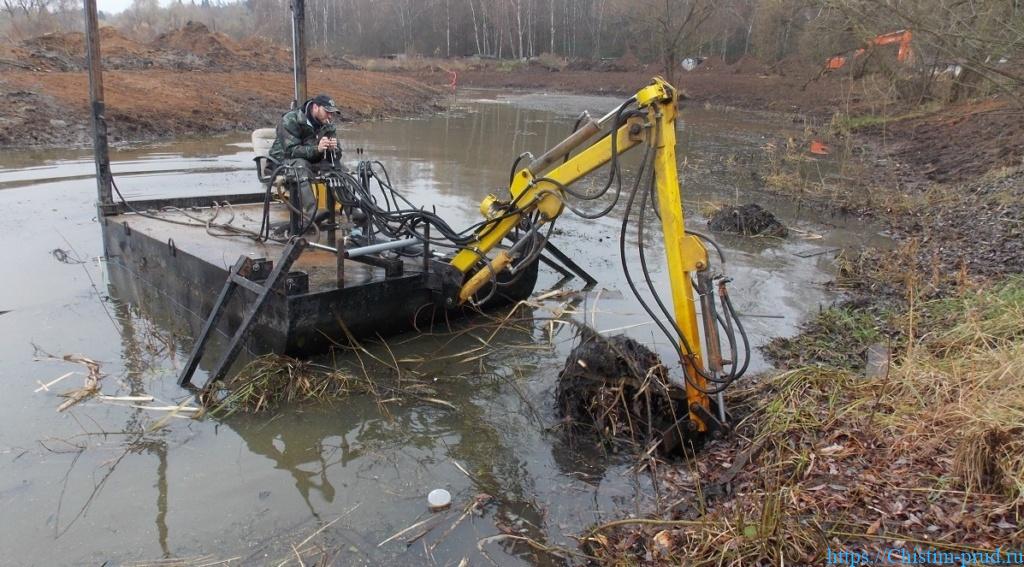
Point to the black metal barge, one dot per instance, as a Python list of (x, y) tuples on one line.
[(149, 251)]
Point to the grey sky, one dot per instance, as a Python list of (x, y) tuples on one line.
[(115, 6)]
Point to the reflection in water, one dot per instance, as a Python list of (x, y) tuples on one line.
[(298, 443), (311, 445), (135, 354)]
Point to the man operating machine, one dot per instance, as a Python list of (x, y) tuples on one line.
[(306, 137)]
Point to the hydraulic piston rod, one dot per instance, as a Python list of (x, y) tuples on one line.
[(371, 249)]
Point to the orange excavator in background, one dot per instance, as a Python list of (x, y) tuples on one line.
[(901, 37)]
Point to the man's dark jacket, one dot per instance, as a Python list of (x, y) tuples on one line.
[(298, 136)]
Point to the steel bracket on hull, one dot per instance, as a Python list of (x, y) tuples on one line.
[(393, 267), (444, 281)]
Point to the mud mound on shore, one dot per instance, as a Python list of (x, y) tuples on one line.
[(66, 52), (193, 47), (219, 50)]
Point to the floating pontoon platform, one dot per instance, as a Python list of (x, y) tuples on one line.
[(149, 249)]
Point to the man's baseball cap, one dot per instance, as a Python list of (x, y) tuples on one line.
[(326, 102)]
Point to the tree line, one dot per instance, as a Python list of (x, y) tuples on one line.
[(981, 35)]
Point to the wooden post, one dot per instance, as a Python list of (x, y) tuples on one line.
[(332, 218), (101, 154), (426, 249), (299, 50)]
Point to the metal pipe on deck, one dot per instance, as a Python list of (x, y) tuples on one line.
[(371, 249), (101, 153), (299, 50)]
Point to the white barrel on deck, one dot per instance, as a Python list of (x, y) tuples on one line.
[(262, 139)]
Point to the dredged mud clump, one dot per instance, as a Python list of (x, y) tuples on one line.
[(616, 390), (748, 220)]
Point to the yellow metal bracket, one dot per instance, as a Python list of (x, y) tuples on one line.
[(693, 254)]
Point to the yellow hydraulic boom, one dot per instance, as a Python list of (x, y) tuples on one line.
[(540, 188)]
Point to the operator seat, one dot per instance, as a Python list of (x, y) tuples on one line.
[(262, 140)]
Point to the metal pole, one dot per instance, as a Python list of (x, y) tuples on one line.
[(101, 154), (339, 256), (299, 50)]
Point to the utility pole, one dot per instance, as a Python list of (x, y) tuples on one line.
[(101, 153), (299, 50)]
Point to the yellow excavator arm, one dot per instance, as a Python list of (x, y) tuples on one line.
[(540, 188)]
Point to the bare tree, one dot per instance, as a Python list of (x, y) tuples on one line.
[(476, 30), (29, 17), (674, 26), (551, 6)]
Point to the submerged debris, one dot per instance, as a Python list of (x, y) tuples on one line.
[(748, 220), (617, 389), (92, 381), (65, 256)]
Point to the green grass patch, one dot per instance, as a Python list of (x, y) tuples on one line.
[(837, 338), (985, 319)]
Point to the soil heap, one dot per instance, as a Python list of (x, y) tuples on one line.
[(193, 47)]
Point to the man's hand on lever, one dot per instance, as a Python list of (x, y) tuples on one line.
[(327, 144)]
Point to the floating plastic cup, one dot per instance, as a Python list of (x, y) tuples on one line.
[(439, 499)]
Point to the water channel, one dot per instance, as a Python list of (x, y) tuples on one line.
[(107, 482)]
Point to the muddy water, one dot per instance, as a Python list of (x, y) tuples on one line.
[(105, 481)]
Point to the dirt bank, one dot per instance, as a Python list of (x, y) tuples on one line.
[(187, 81), (956, 143), (192, 47), (235, 97), (52, 108), (948, 182)]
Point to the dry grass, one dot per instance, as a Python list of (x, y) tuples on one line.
[(974, 363), (273, 380), (709, 208)]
